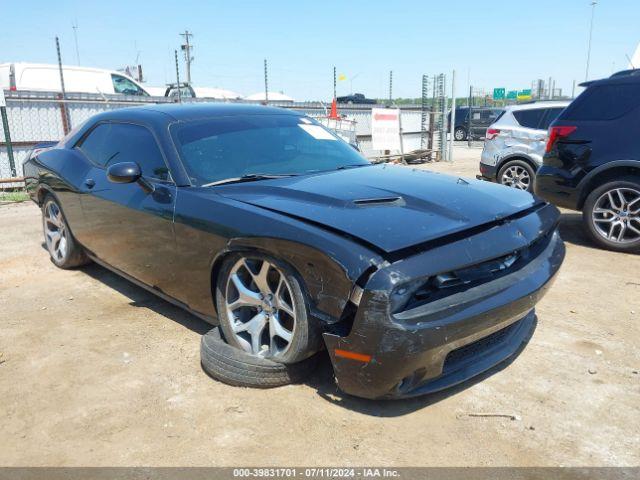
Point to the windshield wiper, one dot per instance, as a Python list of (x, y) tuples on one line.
[(354, 165), (250, 177)]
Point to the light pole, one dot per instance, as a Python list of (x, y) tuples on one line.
[(74, 25), (593, 9), (351, 82)]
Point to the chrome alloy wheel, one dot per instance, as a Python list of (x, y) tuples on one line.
[(55, 231), (260, 307), (516, 176), (616, 215)]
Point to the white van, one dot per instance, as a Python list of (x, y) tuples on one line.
[(46, 77)]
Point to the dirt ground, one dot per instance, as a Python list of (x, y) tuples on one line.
[(96, 371)]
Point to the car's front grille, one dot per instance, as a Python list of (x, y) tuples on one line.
[(449, 283), (461, 355)]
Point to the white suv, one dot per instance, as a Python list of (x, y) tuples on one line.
[(515, 143)]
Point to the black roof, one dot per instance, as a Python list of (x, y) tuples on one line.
[(186, 111), (624, 73), (622, 76), (159, 115), (194, 111)]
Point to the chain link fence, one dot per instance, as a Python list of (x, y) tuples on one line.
[(474, 115), (34, 119), (38, 119)]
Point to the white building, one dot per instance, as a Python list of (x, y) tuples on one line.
[(273, 97)]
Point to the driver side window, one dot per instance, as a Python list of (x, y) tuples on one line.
[(111, 143)]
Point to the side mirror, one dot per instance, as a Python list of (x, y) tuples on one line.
[(128, 172), (125, 172)]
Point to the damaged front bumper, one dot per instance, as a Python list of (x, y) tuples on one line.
[(405, 342)]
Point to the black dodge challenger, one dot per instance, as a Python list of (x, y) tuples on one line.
[(263, 222)]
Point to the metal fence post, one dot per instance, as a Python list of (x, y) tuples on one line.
[(453, 115), (432, 124), (66, 121), (175, 54), (404, 161), (443, 136), (469, 114), (266, 83), (7, 134), (334, 82)]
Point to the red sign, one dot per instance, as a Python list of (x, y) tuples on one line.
[(386, 116)]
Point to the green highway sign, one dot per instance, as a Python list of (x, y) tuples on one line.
[(498, 93), (501, 94)]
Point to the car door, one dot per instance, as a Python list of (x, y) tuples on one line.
[(475, 122), (461, 118), (128, 226)]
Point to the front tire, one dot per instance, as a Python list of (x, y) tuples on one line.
[(263, 309), (517, 174), (238, 368), (64, 250), (611, 215)]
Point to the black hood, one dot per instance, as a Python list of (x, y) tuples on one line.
[(390, 207)]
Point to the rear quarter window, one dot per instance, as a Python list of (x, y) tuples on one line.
[(529, 118), (94, 145), (604, 102)]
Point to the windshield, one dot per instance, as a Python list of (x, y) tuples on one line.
[(241, 145)]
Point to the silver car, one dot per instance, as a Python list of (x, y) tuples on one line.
[(515, 143)]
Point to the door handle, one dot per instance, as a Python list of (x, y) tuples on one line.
[(90, 182)]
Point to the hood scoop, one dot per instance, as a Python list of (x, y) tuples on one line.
[(379, 201), (389, 208)]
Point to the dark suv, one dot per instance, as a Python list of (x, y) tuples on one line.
[(481, 119), (592, 160)]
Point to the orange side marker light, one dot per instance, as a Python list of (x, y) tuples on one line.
[(361, 357)]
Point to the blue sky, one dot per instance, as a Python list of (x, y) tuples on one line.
[(495, 43)]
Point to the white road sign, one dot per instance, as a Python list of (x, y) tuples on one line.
[(385, 128)]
